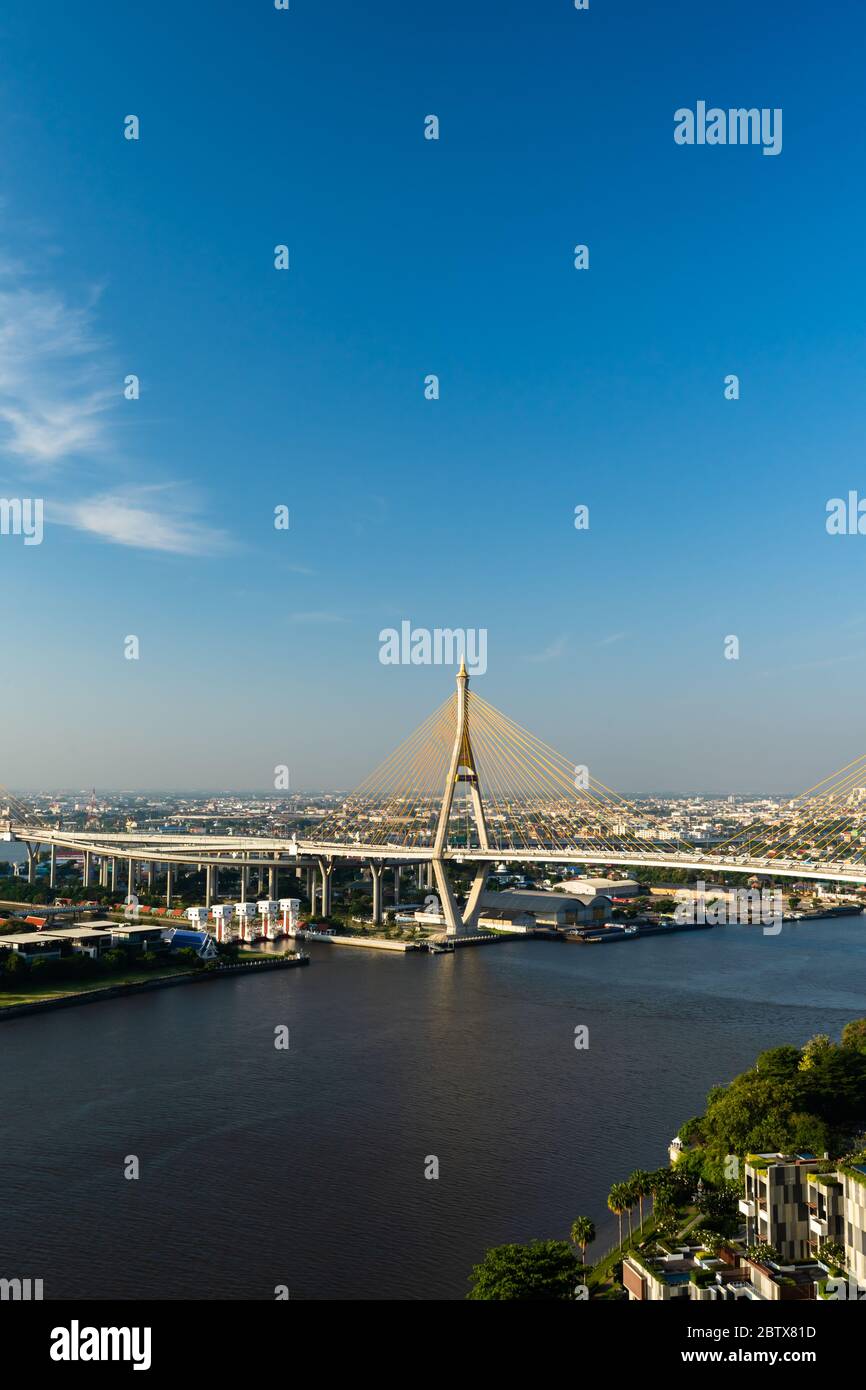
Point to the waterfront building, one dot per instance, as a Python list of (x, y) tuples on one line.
[(135, 934), (32, 944), (854, 1220), (547, 909), (88, 941), (611, 887), (776, 1201), (688, 1272)]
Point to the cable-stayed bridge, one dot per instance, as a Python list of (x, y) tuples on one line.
[(470, 786)]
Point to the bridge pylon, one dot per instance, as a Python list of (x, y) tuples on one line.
[(461, 768)]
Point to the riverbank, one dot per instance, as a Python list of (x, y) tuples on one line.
[(137, 982)]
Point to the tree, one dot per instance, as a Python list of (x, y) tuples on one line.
[(545, 1269), (854, 1034), (630, 1200), (814, 1050), (667, 1228), (583, 1234), (712, 1241), (16, 967), (719, 1205), (691, 1132), (639, 1182), (832, 1253), (617, 1201), (762, 1252), (780, 1062)]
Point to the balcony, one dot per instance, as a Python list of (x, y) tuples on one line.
[(747, 1208)]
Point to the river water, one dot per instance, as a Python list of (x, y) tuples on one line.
[(262, 1167)]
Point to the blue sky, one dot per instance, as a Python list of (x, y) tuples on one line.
[(305, 388)]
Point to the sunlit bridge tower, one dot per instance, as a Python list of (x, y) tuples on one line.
[(461, 769)]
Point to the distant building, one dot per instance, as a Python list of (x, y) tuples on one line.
[(179, 938), (32, 944), (611, 887), (545, 909), (88, 941), (135, 934)]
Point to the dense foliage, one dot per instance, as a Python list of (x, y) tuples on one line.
[(794, 1099), (17, 973), (546, 1269)]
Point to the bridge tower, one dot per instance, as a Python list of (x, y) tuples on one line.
[(461, 768)]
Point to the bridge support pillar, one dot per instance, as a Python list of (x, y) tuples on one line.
[(312, 894), (376, 871), (244, 882), (52, 875), (272, 883), (396, 884), (473, 902), (150, 875), (130, 877), (421, 875), (448, 903), (103, 871), (85, 869), (208, 885), (113, 874), (32, 855), (326, 869), (168, 885)]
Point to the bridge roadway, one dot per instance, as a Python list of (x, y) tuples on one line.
[(269, 852)]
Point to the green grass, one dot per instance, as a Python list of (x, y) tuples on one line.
[(599, 1281), (59, 988), (600, 1274)]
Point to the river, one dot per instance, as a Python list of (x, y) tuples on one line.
[(305, 1168)]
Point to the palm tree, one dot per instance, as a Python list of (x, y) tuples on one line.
[(583, 1234), (616, 1201), (639, 1182), (630, 1197)]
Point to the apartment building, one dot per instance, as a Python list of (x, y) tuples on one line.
[(795, 1203), (776, 1202)]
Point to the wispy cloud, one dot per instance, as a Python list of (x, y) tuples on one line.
[(53, 391), (58, 388), (611, 638), (130, 520), (553, 652)]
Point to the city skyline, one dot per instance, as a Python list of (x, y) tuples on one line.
[(305, 389)]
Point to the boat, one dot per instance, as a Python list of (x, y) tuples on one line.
[(594, 936), (666, 928), (440, 948)]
